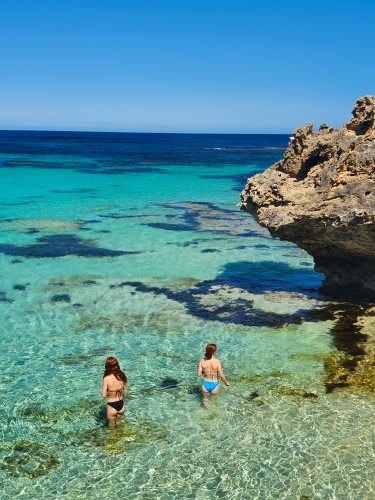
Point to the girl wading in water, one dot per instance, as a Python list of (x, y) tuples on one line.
[(211, 369), (115, 388)]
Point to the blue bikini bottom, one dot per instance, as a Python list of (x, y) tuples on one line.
[(209, 386)]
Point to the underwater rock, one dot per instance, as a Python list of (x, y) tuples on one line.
[(83, 357), (30, 226), (19, 287), (29, 459), (128, 435), (33, 459), (62, 297), (321, 196), (4, 298), (216, 301), (309, 395), (124, 322), (68, 282), (73, 191), (201, 216), (60, 245), (169, 383), (352, 367), (120, 285)]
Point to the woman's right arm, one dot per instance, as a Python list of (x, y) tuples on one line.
[(104, 388), (200, 369), (221, 373)]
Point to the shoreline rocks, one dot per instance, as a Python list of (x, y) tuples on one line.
[(321, 196)]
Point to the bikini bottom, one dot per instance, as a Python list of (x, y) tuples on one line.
[(209, 386), (117, 405)]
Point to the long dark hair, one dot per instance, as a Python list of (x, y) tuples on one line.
[(210, 351), (112, 367)]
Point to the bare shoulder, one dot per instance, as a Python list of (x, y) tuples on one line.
[(218, 364)]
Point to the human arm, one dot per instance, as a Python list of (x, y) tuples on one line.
[(200, 369), (104, 388), (221, 373)]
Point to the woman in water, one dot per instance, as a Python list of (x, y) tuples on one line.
[(115, 388), (211, 369)]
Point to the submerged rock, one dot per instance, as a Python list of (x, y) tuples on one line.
[(310, 395), (352, 368), (169, 383), (62, 297), (321, 196), (29, 459)]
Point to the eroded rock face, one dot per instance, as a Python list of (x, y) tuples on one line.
[(321, 196)]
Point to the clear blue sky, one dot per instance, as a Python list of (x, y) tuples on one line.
[(183, 65)]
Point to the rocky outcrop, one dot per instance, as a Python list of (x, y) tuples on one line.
[(321, 196)]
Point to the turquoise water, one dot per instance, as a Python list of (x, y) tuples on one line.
[(147, 258)]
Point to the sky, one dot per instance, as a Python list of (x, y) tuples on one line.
[(195, 66)]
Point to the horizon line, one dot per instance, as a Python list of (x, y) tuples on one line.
[(57, 131)]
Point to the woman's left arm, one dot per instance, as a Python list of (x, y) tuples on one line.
[(221, 373)]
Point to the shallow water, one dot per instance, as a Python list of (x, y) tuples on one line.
[(132, 245)]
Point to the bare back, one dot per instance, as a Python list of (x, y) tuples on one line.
[(211, 369), (112, 387)]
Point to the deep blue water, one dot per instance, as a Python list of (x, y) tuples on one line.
[(139, 149)]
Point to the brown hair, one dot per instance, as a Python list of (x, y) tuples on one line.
[(112, 367), (210, 351)]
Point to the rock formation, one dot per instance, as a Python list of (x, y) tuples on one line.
[(321, 196)]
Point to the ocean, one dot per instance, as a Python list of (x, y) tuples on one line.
[(132, 245)]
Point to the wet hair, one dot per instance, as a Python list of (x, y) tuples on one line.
[(112, 367), (210, 351)]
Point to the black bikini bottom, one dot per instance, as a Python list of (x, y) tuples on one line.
[(117, 405)]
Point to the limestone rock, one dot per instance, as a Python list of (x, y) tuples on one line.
[(321, 196)]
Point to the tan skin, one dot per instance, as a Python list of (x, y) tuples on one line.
[(110, 387), (211, 369)]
